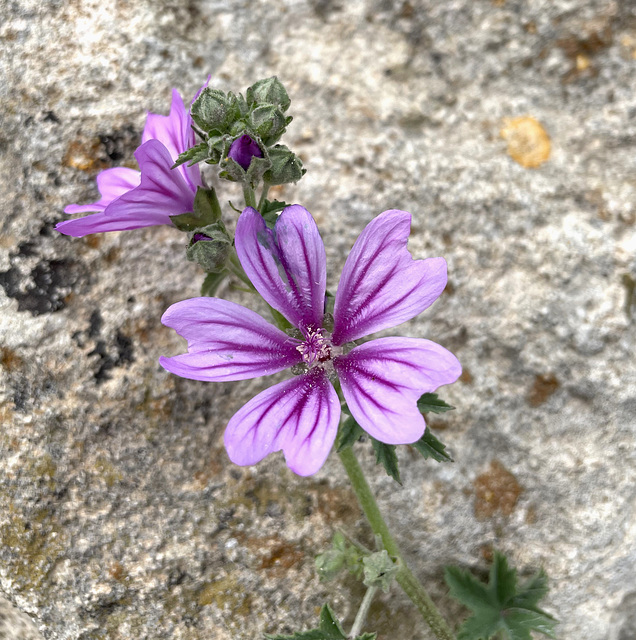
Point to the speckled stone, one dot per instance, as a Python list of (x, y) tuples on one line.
[(120, 514)]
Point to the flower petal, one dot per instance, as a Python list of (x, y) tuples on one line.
[(226, 342), (381, 285), (287, 265), (383, 379), (175, 132), (299, 416), (111, 183)]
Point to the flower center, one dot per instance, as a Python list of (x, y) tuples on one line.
[(316, 348)]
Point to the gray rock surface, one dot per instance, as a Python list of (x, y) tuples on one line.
[(120, 514)]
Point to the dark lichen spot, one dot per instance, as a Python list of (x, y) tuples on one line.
[(47, 287), (543, 387), (496, 490), (121, 143), (123, 354), (95, 324)]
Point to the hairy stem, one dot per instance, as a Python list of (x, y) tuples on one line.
[(405, 578), (362, 612), (248, 195), (263, 197)]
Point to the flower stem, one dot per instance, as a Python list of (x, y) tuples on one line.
[(248, 194), (362, 612), (409, 583), (263, 197)]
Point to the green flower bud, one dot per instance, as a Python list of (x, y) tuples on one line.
[(268, 91), (210, 247), (286, 166), (212, 111), (269, 122), (379, 570)]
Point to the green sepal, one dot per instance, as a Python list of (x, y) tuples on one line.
[(270, 211), (207, 210), (268, 91), (233, 171), (212, 282), (210, 254), (379, 570), (195, 154), (349, 432), (286, 166), (280, 320), (342, 555), (500, 607), (386, 456), (430, 447), (431, 403)]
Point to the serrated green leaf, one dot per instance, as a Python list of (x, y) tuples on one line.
[(386, 456), (430, 447), (212, 282), (329, 624), (367, 636), (350, 432), (270, 211), (379, 570), (432, 403), (501, 606), (195, 154)]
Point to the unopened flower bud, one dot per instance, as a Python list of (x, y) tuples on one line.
[(210, 247), (268, 91), (243, 149)]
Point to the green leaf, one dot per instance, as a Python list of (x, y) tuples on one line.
[(367, 636), (501, 607), (193, 155), (270, 211), (350, 432), (430, 447), (212, 282), (431, 403), (386, 456), (330, 629)]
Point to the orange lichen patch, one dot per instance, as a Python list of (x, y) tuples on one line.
[(337, 505), (528, 142), (279, 558), (466, 377), (543, 387), (9, 359), (83, 155), (486, 552), (92, 240), (117, 572), (497, 490)]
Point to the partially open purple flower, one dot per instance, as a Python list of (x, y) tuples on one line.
[(243, 149), (133, 199), (381, 286)]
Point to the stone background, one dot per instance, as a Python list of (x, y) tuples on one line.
[(120, 515)]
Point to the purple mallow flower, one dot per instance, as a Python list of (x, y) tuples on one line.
[(133, 199), (381, 286), (243, 149)]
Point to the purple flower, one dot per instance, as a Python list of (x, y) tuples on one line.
[(133, 199), (243, 149), (381, 286)]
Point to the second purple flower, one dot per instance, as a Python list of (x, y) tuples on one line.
[(381, 380)]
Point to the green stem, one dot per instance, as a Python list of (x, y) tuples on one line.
[(248, 194), (234, 266), (261, 202), (409, 583), (362, 612)]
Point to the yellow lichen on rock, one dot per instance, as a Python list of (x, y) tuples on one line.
[(528, 142)]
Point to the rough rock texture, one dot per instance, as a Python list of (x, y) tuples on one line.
[(120, 515)]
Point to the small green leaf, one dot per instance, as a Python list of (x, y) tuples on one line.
[(431, 403), (367, 636), (195, 154), (501, 607), (212, 282), (386, 456), (350, 432), (270, 211), (430, 447)]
